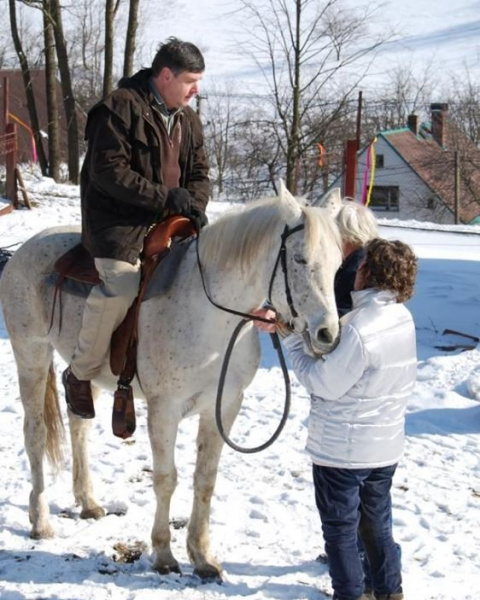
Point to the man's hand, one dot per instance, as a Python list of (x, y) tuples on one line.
[(179, 202), (199, 218)]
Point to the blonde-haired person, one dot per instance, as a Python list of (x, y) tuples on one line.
[(356, 430), (357, 226)]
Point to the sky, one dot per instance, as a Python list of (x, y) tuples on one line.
[(440, 32), (265, 529)]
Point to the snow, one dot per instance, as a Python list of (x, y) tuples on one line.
[(264, 525)]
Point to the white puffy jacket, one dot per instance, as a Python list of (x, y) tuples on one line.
[(359, 391)]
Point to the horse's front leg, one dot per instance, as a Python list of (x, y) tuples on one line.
[(82, 484), (162, 429), (209, 448)]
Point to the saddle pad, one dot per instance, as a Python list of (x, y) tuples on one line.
[(165, 273), (162, 278)]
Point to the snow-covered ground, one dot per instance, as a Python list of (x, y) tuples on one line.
[(264, 524)]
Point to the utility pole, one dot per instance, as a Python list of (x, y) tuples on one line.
[(457, 187), (199, 99)]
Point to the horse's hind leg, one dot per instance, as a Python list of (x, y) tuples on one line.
[(33, 373), (209, 448), (82, 485)]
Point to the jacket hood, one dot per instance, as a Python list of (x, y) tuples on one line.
[(137, 81)]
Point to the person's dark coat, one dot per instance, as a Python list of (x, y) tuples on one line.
[(122, 191), (345, 279)]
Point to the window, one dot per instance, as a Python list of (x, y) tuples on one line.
[(431, 203), (379, 161), (384, 197)]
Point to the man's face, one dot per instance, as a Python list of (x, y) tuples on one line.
[(177, 90)]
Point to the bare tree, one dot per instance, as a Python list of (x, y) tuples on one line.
[(131, 36), (67, 91), (301, 47), (464, 105), (219, 131), (28, 86), (405, 93), (111, 7), (52, 100), (86, 44)]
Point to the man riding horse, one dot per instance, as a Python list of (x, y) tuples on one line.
[(145, 161)]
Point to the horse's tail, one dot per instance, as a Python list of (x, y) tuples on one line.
[(54, 422)]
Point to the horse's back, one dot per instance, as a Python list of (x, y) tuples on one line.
[(34, 259), (24, 291)]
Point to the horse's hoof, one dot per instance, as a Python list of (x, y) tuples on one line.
[(93, 513), (42, 533), (167, 569), (208, 572)]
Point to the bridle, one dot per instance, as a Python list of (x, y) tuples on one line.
[(246, 318), (281, 259)]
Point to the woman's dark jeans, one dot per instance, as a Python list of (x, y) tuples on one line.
[(351, 502)]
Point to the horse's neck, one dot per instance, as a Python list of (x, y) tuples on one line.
[(241, 288)]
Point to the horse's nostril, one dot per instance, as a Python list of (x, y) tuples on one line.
[(324, 335)]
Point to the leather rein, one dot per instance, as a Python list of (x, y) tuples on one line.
[(246, 318)]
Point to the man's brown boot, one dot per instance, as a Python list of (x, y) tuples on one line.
[(78, 395)]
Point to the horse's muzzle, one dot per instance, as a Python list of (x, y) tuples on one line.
[(323, 340)]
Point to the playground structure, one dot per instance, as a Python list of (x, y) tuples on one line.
[(8, 150)]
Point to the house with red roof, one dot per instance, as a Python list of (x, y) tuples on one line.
[(427, 171)]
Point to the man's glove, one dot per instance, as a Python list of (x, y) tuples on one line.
[(179, 202), (198, 218)]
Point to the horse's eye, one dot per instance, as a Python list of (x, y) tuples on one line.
[(298, 258)]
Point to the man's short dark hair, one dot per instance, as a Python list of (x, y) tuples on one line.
[(178, 56)]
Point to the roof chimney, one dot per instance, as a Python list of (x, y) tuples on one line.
[(413, 123), (439, 121)]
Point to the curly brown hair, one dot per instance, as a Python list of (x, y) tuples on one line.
[(390, 265)]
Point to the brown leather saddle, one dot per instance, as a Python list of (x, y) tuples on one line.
[(78, 264)]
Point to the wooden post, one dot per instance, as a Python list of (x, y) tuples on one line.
[(6, 102), (23, 189), (457, 187), (359, 119), (351, 152), (350, 169), (11, 163)]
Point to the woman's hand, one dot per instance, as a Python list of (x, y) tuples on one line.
[(265, 313), (277, 325)]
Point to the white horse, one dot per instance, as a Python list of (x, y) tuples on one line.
[(182, 339)]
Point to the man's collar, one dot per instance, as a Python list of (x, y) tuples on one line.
[(159, 100)]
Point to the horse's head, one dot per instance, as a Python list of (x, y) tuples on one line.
[(312, 256)]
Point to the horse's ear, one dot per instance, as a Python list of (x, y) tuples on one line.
[(291, 208), (331, 200)]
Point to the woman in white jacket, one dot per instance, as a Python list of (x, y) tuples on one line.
[(359, 393)]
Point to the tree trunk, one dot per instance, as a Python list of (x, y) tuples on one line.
[(108, 66), (131, 38), (27, 83), (67, 92), (52, 100), (293, 153)]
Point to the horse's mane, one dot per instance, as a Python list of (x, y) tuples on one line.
[(320, 225), (238, 237)]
